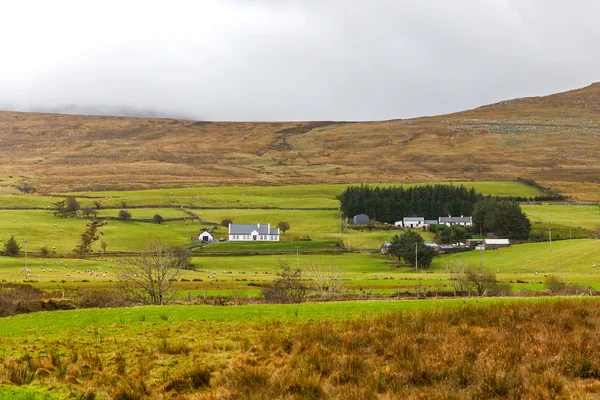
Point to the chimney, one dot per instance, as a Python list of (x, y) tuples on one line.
[(461, 216), (258, 225)]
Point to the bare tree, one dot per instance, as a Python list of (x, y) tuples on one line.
[(483, 282), (287, 288), (147, 277), (326, 280)]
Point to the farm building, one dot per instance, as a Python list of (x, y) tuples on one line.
[(361, 219), (429, 222), (462, 221), (205, 236), (491, 244), (385, 247), (413, 222), (433, 245), (249, 232), (472, 243)]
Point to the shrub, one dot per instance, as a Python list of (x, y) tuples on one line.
[(157, 219), (555, 283), (125, 215)]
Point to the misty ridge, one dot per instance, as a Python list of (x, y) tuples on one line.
[(99, 110)]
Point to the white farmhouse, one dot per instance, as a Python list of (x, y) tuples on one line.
[(250, 232), (462, 221), (413, 222)]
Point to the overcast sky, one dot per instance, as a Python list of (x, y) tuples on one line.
[(293, 60)]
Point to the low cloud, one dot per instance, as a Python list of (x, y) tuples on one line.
[(293, 60)]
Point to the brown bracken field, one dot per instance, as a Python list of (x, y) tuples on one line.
[(554, 140)]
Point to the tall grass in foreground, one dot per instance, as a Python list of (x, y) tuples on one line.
[(546, 350), (541, 351)]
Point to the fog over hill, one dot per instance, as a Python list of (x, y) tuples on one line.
[(99, 110), (305, 60)]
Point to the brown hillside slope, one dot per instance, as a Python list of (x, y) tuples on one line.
[(554, 139)]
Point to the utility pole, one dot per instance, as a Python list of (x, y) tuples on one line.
[(481, 257), (25, 241), (481, 249), (297, 250), (550, 234), (570, 235), (416, 256)]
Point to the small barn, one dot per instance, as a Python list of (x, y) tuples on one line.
[(491, 244), (385, 247), (205, 236), (360, 219)]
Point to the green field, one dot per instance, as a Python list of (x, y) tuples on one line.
[(145, 213), (364, 272), (258, 247), (583, 216), (297, 196), (83, 323), (41, 228)]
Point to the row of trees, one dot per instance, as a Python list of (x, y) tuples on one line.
[(409, 247), (504, 218), (394, 203)]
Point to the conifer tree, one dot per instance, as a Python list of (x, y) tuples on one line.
[(11, 247)]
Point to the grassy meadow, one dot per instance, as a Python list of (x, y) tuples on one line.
[(524, 267), (285, 196), (576, 216), (316, 350), (366, 272)]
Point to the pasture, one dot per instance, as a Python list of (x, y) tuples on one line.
[(61, 235), (524, 267), (576, 216), (285, 196)]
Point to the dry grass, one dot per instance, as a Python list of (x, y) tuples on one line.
[(551, 139), (533, 350), (523, 351)]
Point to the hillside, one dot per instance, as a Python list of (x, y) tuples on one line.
[(553, 139)]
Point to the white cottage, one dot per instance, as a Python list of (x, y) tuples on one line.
[(413, 222), (462, 221), (252, 232), (205, 236)]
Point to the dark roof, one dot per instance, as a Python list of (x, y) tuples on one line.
[(455, 219), (247, 229), (361, 219), (431, 221)]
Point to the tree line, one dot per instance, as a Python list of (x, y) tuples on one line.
[(394, 203)]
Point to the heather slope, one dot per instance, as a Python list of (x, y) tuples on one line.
[(553, 139)]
